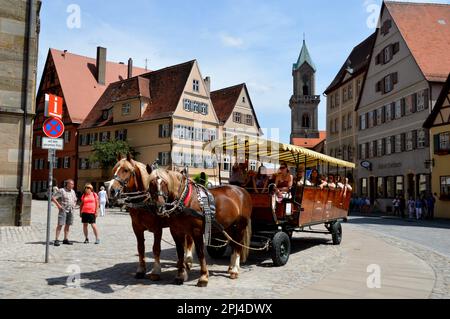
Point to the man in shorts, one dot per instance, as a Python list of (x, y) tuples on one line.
[(66, 200)]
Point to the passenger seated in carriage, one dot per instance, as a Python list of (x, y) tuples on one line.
[(260, 181), (339, 182), (283, 183), (331, 183), (301, 177), (323, 181), (314, 178)]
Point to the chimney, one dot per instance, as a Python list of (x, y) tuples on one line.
[(101, 65), (208, 84), (130, 68)]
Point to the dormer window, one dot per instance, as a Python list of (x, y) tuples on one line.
[(196, 86), (105, 115), (126, 109)]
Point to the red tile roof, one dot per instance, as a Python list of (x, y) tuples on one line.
[(163, 89), (310, 143), (426, 30), (225, 100), (76, 74)]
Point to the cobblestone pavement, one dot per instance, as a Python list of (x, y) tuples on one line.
[(107, 270)]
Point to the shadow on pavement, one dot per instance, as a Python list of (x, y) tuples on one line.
[(119, 276)]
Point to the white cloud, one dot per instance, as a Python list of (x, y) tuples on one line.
[(231, 41)]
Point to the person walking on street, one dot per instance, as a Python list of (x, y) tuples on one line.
[(419, 206), (431, 201), (66, 200), (396, 204), (411, 207), (402, 206), (104, 200), (89, 212)]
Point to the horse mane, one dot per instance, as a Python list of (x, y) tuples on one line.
[(171, 178)]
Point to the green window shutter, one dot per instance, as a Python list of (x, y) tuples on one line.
[(436, 143)]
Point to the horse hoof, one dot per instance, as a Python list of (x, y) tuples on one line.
[(154, 277), (140, 275), (234, 276), (229, 270), (202, 284), (179, 281)]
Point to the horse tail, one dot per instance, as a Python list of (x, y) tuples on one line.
[(246, 241)]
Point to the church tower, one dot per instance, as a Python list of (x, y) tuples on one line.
[(304, 103)]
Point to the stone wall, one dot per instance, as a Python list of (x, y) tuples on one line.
[(17, 94)]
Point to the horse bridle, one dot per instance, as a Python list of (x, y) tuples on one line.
[(124, 182), (176, 204)]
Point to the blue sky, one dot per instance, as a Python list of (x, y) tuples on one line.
[(234, 41)]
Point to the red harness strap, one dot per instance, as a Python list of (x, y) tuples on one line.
[(188, 197)]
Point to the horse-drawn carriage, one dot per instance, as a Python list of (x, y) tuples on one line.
[(230, 215), (304, 206)]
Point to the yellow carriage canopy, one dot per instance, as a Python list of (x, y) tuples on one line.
[(267, 151)]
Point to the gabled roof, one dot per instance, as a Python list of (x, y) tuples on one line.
[(310, 143), (225, 100), (425, 27), (439, 104), (357, 62), (162, 88), (304, 57), (77, 77)]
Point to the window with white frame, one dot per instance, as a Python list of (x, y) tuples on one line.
[(398, 109), (164, 130), (350, 120), (421, 100), (389, 145), (66, 137), (350, 92), (126, 109), (196, 86), (444, 142), (388, 85), (388, 113), (66, 162), (409, 141), (226, 163), (164, 158), (421, 139), (249, 119), (362, 121), (398, 143), (237, 117)]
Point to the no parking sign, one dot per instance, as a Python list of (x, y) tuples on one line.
[(53, 128)]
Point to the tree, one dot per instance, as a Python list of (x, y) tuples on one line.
[(106, 153)]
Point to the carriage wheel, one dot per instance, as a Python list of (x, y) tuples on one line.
[(281, 248), (216, 252), (336, 233)]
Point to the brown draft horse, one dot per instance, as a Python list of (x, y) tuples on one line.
[(132, 176), (233, 212)]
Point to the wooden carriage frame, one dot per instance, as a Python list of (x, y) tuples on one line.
[(307, 206)]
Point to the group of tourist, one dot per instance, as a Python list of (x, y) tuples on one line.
[(258, 182), (91, 203), (420, 208)]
